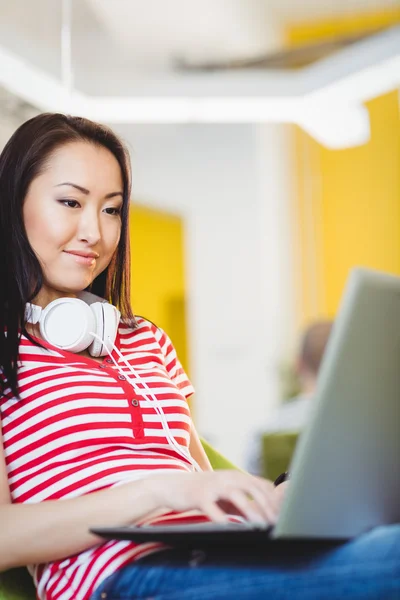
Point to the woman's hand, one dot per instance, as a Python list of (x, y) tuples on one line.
[(253, 497), (280, 492)]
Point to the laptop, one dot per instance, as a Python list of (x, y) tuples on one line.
[(345, 473)]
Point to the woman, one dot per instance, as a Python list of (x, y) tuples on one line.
[(102, 434)]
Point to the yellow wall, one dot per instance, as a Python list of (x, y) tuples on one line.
[(348, 200), (314, 31), (157, 272)]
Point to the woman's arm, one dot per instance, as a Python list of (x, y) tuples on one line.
[(52, 530), (32, 533)]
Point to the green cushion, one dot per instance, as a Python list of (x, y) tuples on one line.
[(277, 452), (217, 460), (16, 584)]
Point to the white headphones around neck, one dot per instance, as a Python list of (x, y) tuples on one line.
[(69, 323)]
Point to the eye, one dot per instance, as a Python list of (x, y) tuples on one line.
[(112, 211), (69, 203)]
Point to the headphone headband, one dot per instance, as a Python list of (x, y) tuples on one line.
[(73, 323), (32, 313)]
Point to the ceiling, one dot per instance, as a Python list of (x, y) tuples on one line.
[(154, 32), (129, 48), (148, 36)]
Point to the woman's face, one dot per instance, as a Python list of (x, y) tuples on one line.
[(72, 217)]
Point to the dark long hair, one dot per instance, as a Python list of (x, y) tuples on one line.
[(24, 157)]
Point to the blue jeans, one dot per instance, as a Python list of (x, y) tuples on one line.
[(365, 568)]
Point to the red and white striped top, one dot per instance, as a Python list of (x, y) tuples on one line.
[(81, 426)]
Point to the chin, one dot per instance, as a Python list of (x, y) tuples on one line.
[(71, 287)]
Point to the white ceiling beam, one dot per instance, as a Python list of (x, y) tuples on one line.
[(319, 98)]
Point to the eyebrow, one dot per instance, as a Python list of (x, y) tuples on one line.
[(85, 191)]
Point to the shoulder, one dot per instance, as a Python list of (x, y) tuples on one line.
[(144, 332), (298, 403), (292, 415)]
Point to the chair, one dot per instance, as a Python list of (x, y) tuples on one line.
[(277, 452)]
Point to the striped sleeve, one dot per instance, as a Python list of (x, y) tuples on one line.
[(172, 363)]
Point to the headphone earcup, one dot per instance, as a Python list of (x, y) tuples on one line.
[(107, 319), (67, 323)]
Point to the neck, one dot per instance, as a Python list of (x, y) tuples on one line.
[(33, 330), (45, 296)]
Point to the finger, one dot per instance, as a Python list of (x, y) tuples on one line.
[(247, 508), (280, 492), (262, 490), (214, 512), (265, 503), (267, 488), (260, 482)]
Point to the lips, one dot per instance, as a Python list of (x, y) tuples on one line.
[(83, 258), (82, 253)]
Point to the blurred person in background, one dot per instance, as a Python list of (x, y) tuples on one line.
[(292, 416)]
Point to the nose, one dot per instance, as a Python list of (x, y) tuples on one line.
[(89, 227)]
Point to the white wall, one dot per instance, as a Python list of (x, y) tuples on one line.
[(231, 184), (7, 128), (13, 112)]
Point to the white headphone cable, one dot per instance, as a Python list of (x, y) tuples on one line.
[(172, 441), (160, 411)]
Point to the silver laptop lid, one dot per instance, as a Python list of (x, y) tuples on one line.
[(346, 468)]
